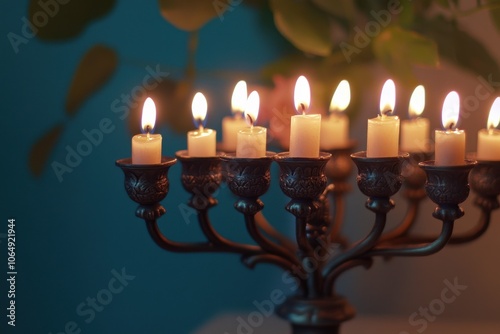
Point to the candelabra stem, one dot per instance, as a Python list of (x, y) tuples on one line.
[(309, 262), (338, 218), (357, 249)]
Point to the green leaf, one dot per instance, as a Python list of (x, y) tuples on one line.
[(40, 152), (340, 8), (193, 14), (495, 16), (304, 25), (461, 48), (400, 49), (95, 68), (55, 21)]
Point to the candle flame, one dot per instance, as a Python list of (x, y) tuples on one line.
[(388, 98), (302, 94), (451, 110), (341, 98), (239, 98), (494, 117), (199, 109), (417, 102), (148, 115), (252, 108)]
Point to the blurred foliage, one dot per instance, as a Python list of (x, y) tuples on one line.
[(328, 41)]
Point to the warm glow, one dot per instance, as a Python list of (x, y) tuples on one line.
[(252, 108), (148, 115), (417, 102), (451, 110), (341, 98), (302, 94), (239, 98), (388, 98), (494, 117), (199, 108)]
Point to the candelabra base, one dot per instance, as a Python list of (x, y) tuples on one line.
[(316, 316)]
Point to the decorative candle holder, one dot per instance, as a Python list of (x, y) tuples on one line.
[(319, 254), (201, 177), (147, 185), (447, 186)]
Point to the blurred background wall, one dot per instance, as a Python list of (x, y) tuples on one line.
[(74, 235)]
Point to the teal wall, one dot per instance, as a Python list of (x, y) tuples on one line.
[(72, 234)]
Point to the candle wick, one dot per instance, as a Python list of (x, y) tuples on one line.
[(303, 108), (200, 127), (452, 125), (250, 119)]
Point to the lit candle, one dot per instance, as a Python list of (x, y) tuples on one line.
[(450, 143), (383, 130), (251, 142), (335, 128), (304, 129), (415, 131), (201, 142), (232, 124), (146, 149), (488, 140)]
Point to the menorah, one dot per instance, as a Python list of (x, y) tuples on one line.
[(317, 188)]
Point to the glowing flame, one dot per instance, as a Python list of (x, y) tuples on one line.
[(451, 110), (199, 108), (341, 98), (302, 94), (494, 117), (148, 115), (388, 98), (239, 98), (417, 102), (252, 108)]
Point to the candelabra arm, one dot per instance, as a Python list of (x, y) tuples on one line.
[(265, 226), (219, 241), (360, 248), (267, 245), (409, 219), (173, 246), (417, 250), (477, 231), (329, 282)]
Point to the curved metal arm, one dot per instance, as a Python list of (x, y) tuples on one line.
[(417, 250), (474, 233), (219, 241), (406, 224), (338, 218), (328, 287), (266, 244), (264, 225), (361, 247), (190, 247)]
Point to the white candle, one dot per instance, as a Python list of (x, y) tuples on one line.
[(304, 129), (415, 131), (232, 124), (450, 143), (201, 142), (251, 142), (383, 130), (146, 149), (335, 128), (488, 141)]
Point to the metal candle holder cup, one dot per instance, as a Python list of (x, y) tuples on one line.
[(484, 179), (447, 186), (201, 177), (248, 178), (147, 185)]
